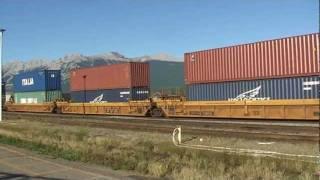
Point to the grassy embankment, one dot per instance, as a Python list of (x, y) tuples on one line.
[(154, 154)]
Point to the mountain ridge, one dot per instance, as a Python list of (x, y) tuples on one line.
[(73, 61)]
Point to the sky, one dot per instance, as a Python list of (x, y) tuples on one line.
[(50, 29)]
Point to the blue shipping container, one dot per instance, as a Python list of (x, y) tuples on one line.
[(110, 95), (284, 88), (41, 80)]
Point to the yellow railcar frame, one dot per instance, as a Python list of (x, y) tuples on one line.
[(44, 107), (300, 109), (132, 108)]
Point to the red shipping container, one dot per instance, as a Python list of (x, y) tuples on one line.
[(286, 57), (126, 75)]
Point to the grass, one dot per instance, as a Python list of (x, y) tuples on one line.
[(41, 148), (279, 146), (153, 153)]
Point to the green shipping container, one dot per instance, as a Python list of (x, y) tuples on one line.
[(167, 77), (36, 97)]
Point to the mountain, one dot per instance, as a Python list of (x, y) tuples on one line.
[(73, 61), (160, 57)]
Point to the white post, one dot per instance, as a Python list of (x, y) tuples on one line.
[(174, 133), (1, 44)]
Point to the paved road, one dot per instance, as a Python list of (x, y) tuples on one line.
[(21, 164)]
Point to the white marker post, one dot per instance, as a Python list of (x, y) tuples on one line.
[(1, 44)]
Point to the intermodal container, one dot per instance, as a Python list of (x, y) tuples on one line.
[(40, 80), (36, 97), (110, 95), (166, 77), (286, 57), (266, 89), (126, 75)]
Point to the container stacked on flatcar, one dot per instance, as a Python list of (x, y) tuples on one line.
[(37, 86), (111, 83), (286, 68), (166, 78)]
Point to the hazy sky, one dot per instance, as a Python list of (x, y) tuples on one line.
[(52, 28)]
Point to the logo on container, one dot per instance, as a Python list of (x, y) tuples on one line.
[(27, 82), (142, 92), (124, 93), (249, 95), (98, 99), (307, 86)]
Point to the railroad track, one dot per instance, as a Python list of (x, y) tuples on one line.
[(276, 130)]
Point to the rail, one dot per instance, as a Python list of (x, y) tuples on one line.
[(304, 131)]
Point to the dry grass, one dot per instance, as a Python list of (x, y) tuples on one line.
[(154, 154), (267, 145)]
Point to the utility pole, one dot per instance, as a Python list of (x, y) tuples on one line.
[(1, 45)]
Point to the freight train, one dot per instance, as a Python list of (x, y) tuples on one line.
[(307, 109), (274, 79)]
